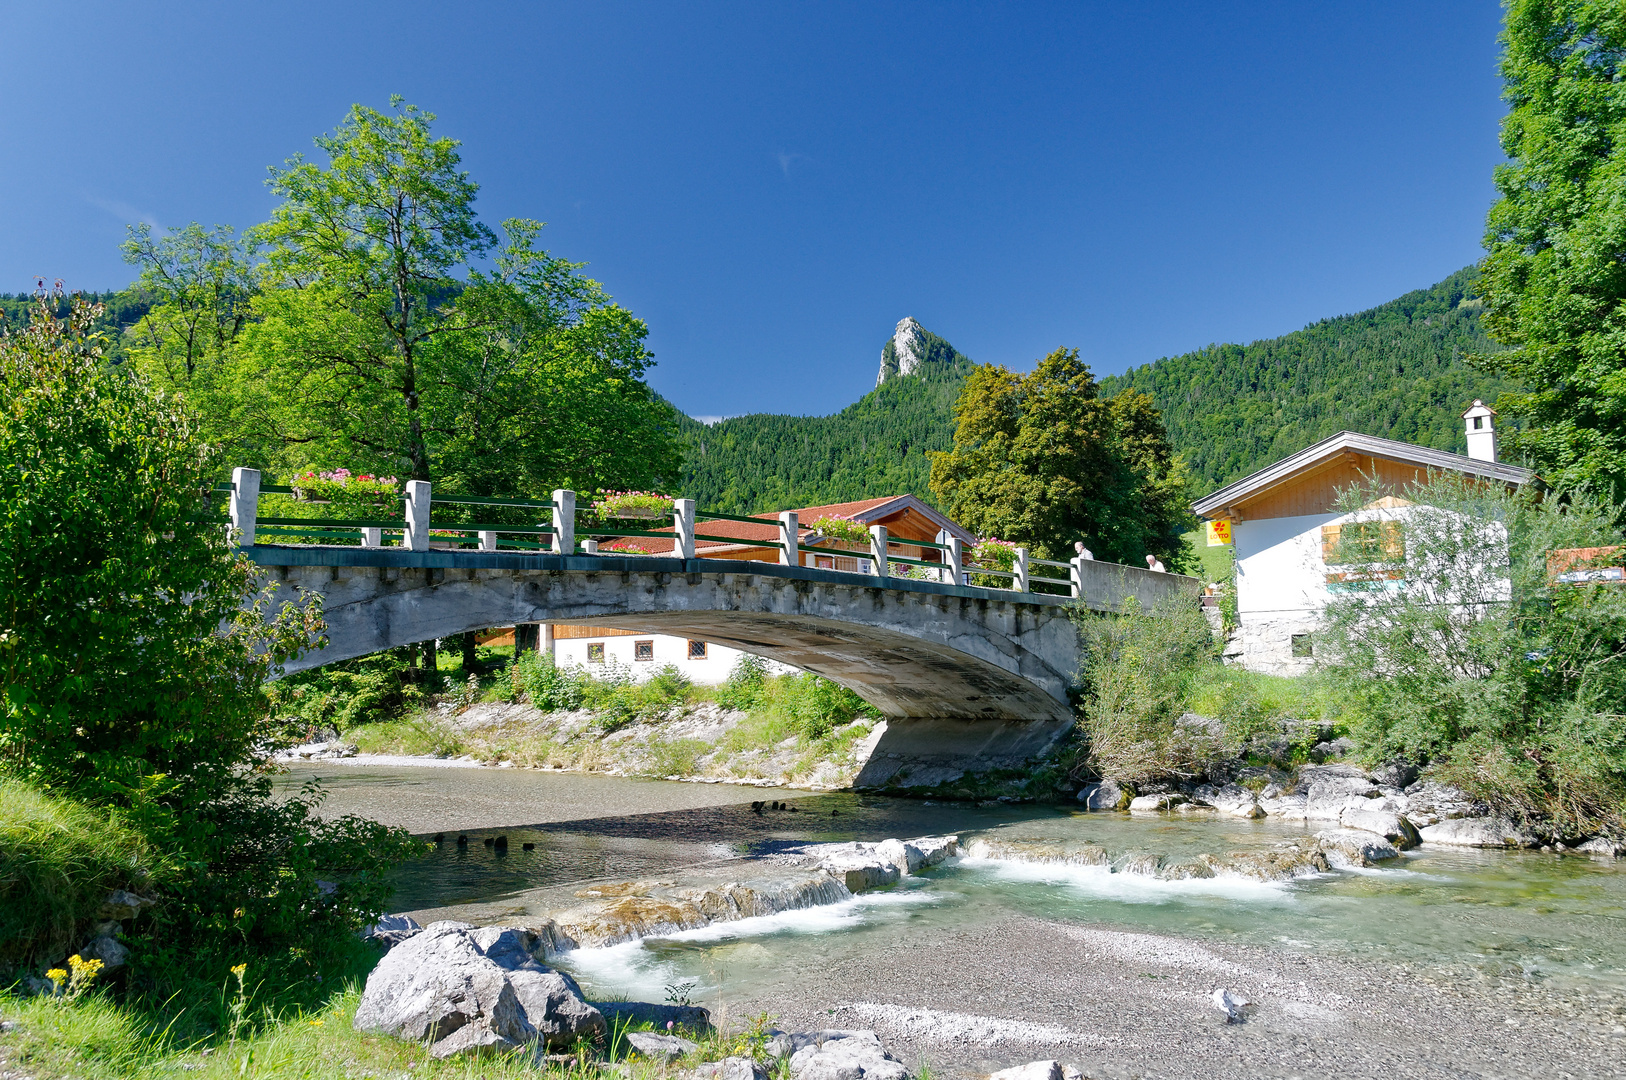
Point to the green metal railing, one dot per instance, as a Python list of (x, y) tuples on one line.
[(417, 530)]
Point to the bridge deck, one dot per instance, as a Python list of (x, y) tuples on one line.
[(445, 559)]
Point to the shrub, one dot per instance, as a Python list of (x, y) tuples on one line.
[(367, 690), (58, 861), (744, 688), (132, 667), (841, 528), (1138, 672), (1460, 649)]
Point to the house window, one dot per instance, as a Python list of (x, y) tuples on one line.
[(1360, 543), (643, 650), (824, 562), (1303, 646), (697, 650), (595, 652)]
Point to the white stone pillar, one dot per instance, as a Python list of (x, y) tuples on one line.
[(488, 540), (245, 504), (589, 547), (544, 638), (683, 528), (956, 560), (372, 538), (417, 515), (877, 549), (564, 522), (1077, 574), (1020, 581), (789, 531)]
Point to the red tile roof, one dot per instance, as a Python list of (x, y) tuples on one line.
[(767, 532)]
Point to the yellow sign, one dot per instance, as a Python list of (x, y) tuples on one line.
[(1219, 532)]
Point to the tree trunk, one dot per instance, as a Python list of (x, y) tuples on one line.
[(471, 651)]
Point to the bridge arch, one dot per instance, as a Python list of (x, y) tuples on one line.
[(967, 678)]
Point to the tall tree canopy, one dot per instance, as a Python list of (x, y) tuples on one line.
[(1555, 278), (375, 323), (1045, 461)]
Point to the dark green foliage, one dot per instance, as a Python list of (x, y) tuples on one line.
[(367, 690), (1555, 281), (874, 447), (118, 312), (1398, 371), (1043, 461), (131, 670)]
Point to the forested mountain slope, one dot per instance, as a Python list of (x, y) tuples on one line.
[(121, 310), (876, 446), (1396, 371)]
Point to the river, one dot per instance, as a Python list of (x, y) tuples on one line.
[(1518, 957)]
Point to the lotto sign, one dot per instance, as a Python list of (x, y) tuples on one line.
[(1219, 532)]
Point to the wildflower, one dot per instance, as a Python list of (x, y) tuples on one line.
[(315, 1023), (238, 969), (57, 977)]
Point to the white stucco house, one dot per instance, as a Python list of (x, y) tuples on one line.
[(1286, 534)]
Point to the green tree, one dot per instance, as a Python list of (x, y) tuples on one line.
[(131, 668), (200, 284), (1044, 460), (360, 263), (1555, 281)]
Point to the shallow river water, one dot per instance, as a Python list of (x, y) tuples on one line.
[(1555, 919)]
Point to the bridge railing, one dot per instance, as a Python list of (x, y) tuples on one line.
[(675, 533)]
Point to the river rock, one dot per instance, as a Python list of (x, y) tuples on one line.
[(1033, 1070), (123, 905), (1428, 803), (730, 1068), (1231, 1004), (1039, 851), (391, 930), (1354, 847), (1600, 846), (1233, 800), (1103, 796), (934, 849), (106, 948), (1288, 807), (1488, 832), (469, 991), (690, 1018), (1385, 823), (843, 1055), (1155, 804), (657, 1047), (1330, 789)]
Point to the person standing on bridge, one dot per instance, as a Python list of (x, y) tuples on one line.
[(1082, 551)]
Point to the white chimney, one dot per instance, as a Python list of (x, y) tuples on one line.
[(1481, 431)]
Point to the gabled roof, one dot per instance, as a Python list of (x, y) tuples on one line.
[(1353, 442), (865, 511)]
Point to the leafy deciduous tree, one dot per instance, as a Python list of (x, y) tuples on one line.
[(1043, 460)]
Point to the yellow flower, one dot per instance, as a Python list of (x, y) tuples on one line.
[(238, 969), (56, 975), (316, 1023)]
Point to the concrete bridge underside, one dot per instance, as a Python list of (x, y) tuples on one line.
[(968, 679)]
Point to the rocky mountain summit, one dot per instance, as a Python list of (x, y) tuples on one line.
[(911, 349)]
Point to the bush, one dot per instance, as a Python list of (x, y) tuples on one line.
[(133, 669), (1460, 650), (367, 690), (58, 861), (1139, 670), (744, 688)]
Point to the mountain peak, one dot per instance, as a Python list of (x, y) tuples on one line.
[(905, 352)]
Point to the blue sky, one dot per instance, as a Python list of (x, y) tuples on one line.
[(773, 186)]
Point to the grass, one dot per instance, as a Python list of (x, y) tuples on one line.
[(1250, 703), (58, 861), (95, 1038)]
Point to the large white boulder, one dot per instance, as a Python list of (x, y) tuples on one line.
[(1033, 1070), (1155, 804), (1385, 823), (1491, 832), (843, 1055), (466, 990), (1346, 848)]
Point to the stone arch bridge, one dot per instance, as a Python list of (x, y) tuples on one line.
[(968, 678)]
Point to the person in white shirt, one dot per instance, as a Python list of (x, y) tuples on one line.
[(1152, 563), (1083, 552)]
